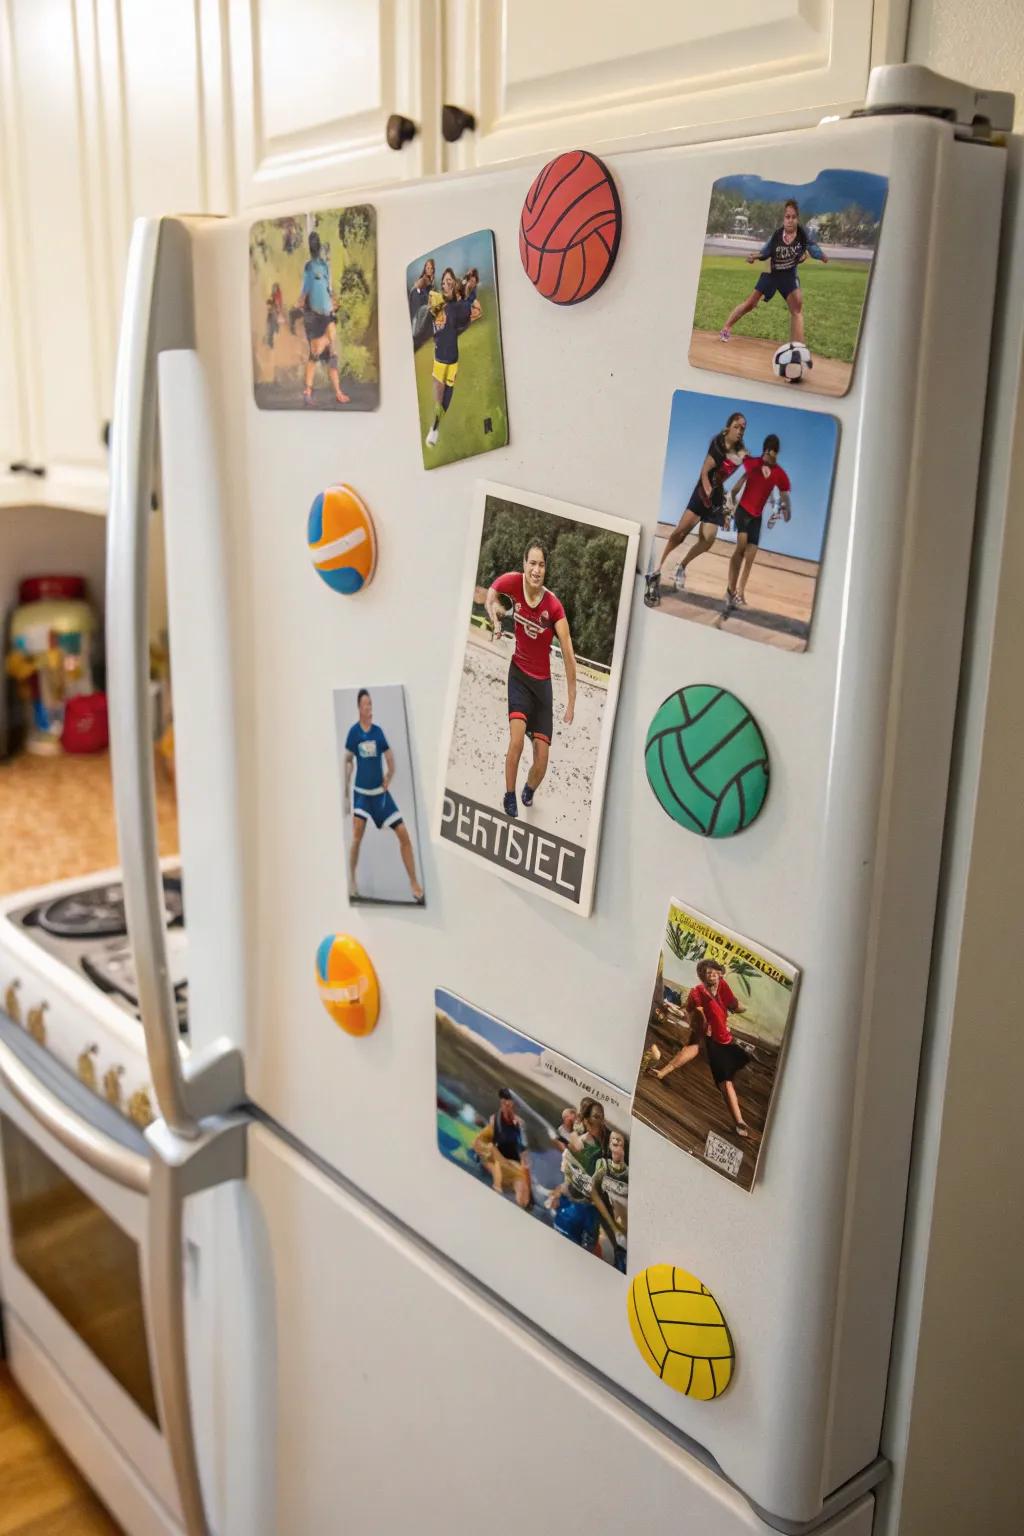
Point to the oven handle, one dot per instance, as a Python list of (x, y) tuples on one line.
[(99, 1152), (158, 316), (182, 1166)]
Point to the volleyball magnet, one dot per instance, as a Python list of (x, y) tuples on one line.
[(347, 983), (707, 761), (341, 538), (570, 227), (678, 1327)]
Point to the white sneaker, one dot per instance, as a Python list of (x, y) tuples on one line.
[(679, 579), (431, 437)]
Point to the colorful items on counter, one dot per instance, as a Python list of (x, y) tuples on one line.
[(341, 538), (678, 1328), (347, 983), (52, 641)]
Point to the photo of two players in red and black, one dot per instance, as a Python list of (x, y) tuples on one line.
[(534, 690), (744, 508)]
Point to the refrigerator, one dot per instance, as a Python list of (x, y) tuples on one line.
[(349, 1335)]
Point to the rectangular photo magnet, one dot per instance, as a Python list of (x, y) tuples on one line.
[(313, 311), (381, 836), (541, 633), (784, 278), (534, 1127), (456, 338), (745, 497), (719, 1016)]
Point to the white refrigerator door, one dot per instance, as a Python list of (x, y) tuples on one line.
[(838, 874), (397, 1397)]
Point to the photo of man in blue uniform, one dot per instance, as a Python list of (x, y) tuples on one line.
[(368, 756)]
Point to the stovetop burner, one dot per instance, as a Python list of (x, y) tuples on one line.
[(99, 913), (86, 930)]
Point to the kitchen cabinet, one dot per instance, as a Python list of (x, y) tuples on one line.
[(315, 86), (110, 109)]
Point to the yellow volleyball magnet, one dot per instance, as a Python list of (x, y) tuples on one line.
[(347, 984), (680, 1332)]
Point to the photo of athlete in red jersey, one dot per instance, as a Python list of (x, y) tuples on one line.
[(538, 656), (762, 476), (538, 617)]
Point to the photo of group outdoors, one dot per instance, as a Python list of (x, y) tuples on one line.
[(381, 838), (534, 688), (534, 1127), (719, 1015), (745, 496), (313, 311), (809, 246), (456, 338)]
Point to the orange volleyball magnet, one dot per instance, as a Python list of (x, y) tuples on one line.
[(341, 538), (347, 983), (570, 227)]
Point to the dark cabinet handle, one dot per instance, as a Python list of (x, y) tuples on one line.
[(399, 131), (39, 470), (22, 467), (105, 435), (454, 122)]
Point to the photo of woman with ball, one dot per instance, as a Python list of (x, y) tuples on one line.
[(721, 1008)]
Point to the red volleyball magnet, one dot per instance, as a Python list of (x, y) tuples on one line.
[(570, 227)]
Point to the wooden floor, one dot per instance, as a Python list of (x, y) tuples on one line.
[(41, 1493)]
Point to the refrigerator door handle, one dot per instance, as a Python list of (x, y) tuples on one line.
[(182, 1167), (158, 316), (98, 1151)]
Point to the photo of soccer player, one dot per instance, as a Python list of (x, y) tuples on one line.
[(745, 499), (456, 337), (380, 836), (716, 1030), (503, 1117), (816, 243), (534, 690), (313, 311)]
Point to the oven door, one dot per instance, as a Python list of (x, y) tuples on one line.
[(73, 1273)]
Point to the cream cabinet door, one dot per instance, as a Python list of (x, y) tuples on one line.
[(59, 280), (13, 425), (314, 86), (541, 77), (160, 111)]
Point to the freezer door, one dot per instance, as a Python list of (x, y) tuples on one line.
[(838, 874), (397, 1397)]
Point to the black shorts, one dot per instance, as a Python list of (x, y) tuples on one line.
[(725, 1060), (748, 523), (715, 514), (315, 325), (771, 283), (530, 699)]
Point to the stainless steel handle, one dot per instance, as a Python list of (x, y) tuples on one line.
[(158, 317), (182, 1167), (99, 1152)]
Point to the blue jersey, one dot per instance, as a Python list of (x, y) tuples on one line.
[(787, 257), (368, 748), (316, 285), (446, 340)]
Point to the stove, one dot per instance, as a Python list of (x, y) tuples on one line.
[(67, 975)]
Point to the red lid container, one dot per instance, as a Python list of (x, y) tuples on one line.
[(46, 589)]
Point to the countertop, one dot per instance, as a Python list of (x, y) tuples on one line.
[(57, 819)]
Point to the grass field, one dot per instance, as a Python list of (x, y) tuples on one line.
[(478, 397), (833, 302)]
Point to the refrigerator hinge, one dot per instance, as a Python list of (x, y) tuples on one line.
[(983, 117)]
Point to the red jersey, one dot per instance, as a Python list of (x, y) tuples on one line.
[(535, 627), (716, 1007), (762, 479)]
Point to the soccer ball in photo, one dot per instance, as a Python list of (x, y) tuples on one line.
[(792, 360)]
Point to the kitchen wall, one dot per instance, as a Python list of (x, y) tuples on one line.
[(961, 1340)]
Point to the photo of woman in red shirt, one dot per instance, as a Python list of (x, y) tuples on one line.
[(708, 1006)]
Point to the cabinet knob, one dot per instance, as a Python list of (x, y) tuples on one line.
[(454, 122), (105, 435), (399, 130)]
